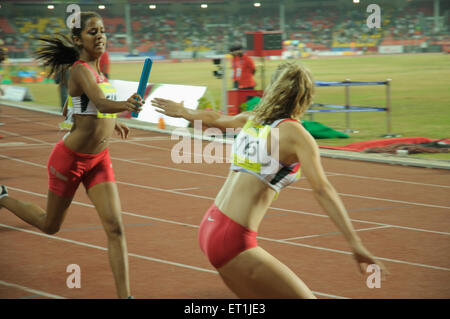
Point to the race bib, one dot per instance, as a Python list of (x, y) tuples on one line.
[(111, 94), (250, 149)]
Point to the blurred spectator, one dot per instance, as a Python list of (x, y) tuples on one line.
[(104, 64), (243, 69), (319, 27)]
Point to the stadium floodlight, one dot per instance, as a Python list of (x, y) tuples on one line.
[(101, 7), (355, 1), (50, 7), (204, 6), (152, 7), (257, 4)]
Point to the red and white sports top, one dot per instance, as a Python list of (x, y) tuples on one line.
[(249, 154), (82, 105)]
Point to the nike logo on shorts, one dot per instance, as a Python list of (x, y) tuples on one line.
[(210, 219)]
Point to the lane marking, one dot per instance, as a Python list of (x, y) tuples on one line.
[(224, 177), (376, 208), (361, 221), (335, 233), (224, 158), (390, 180), (379, 199), (131, 255), (33, 291), (350, 253), (212, 198), (184, 189), (26, 137), (101, 227), (80, 243), (259, 237), (7, 144)]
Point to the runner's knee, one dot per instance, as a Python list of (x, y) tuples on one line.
[(113, 229)]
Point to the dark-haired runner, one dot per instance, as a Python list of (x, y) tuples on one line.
[(82, 155)]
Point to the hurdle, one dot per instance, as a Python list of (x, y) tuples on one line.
[(347, 108)]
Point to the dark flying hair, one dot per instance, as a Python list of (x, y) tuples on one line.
[(60, 52)]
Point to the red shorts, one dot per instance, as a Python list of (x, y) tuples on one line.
[(222, 239), (66, 169)]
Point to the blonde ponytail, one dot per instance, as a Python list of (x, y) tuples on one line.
[(288, 96)]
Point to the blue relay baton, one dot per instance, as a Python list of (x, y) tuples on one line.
[(144, 80)]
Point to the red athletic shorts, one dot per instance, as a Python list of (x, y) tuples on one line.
[(66, 169), (222, 239)]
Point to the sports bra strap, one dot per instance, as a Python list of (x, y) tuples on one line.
[(279, 121), (97, 76)]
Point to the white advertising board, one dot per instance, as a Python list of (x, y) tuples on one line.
[(16, 93), (188, 93), (388, 49)]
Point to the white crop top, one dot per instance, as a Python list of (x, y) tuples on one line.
[(249, 154), (82, 105)]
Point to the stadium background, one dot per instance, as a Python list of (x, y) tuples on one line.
[(133, 27), (401, 212), (330, 37)]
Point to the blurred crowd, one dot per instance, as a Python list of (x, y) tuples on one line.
[(316, 28)]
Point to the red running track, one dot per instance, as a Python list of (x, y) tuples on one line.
[(401, 213)]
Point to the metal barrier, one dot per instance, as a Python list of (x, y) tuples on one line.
[(347, 108)]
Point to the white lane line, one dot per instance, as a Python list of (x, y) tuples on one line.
[(26, 137), (225, 160), (79, 243), (223, 177), (293, 187), (150, 138), (28, 147), (328, 295), (212, 198), (8, 144), (259, 237), (168, 168), (22, 161), (290, 210), (33, 291), (165, 190), (335, 233), (129, 254), (32, 121), (125, 213), (379, 199), (360, 221), (184, 189), (390, 180), (148, 146), (350, 253)]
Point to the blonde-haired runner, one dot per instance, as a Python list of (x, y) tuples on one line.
[(259, 170)]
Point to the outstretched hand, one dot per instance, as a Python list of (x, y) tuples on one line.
[(364, 258), (168, 107)]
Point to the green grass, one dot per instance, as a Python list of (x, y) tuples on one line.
[(420, 94)]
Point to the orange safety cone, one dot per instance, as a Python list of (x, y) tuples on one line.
[(161, 124)]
